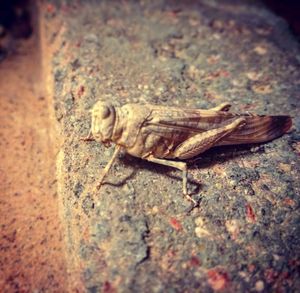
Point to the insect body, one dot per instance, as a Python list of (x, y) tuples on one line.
[(161, 134)]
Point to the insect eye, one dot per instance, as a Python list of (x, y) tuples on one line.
[(104, 112)]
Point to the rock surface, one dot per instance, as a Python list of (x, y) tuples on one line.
[(135, 234)]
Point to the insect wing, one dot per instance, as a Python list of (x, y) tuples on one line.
[(169, 121)]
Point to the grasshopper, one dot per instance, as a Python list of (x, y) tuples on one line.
[(169, 135)]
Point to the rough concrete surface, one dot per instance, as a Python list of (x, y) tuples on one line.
[(135, 234)]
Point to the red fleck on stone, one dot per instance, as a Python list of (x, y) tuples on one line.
[(294, 262), (86, 234), (289, 202), (224, 73), (80, 91), (171, 253), (175, 224), (50, 8), (217, 279), (270, 275), (251, 268), (65, 9), (195, 261), (250, 214), (108, 288), (217, 74), (285, 275), (220, 73), (173, 13)]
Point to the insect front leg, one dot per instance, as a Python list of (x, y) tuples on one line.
[(89, 137), (222, 107), (201, 142), (108, 166), (178, 165)]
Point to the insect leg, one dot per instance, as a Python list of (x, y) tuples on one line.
[(222, 107), (109, 164), (201, 142), (178, 165), (89, 137)]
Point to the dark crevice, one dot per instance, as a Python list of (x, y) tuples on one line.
[(289, 10), (15, 24)]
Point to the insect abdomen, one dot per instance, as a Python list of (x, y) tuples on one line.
[(259, 129)]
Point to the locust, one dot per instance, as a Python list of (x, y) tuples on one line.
[(171, 135)]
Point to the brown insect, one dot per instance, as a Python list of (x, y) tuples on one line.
[(161, 134)]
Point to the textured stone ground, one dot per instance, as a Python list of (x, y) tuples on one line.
[(135, 234)]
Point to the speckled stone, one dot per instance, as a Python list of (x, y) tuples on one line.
[(134, 234)]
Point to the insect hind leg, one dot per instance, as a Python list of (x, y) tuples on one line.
[(222, 107), (201, 142), (178, 165)]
